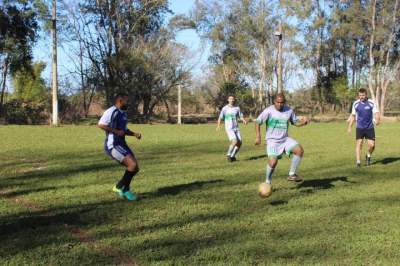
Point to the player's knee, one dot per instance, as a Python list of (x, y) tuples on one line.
[(234, 142), (273, 162)]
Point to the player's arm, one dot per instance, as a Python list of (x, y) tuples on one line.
[(137, 135), (301, 122), (351, 120), (241, 117), (258, 134), (298, 122), (262, 118), (377, 115), (108, 129), (220, 117)]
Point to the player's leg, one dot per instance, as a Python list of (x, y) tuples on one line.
[(371, 145), (237, 145), (359, 141), (274, 152), (233, 141), (272, 163), (293, 148), (126, 157)]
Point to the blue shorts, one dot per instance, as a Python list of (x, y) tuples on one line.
[(118, 152)]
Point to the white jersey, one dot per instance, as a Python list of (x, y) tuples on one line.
[(230, 114)]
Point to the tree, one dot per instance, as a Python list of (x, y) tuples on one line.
[(18, 33)]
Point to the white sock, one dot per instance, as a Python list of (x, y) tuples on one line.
[(268, 174), (230, 150), (295, 163), (234, 151)]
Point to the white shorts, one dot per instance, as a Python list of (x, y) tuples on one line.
[(234, 135), (275, 148)]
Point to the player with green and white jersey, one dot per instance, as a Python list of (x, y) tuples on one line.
[(230, 114), (277, 118)]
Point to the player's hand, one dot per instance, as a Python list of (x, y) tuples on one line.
[(137, 135), (258, 141), (119, 133)]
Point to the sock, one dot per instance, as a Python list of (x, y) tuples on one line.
[(369, 155), (358, 162), (295, 163), (268, 174), (125, 181), (234, 151), (231, 147)]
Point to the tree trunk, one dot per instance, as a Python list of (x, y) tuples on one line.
[(353, 67), (3, 85), (371, 55)]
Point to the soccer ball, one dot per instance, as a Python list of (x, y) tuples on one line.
[(264, 190)]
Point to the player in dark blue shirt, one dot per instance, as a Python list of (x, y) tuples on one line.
[(366, 115), (114, 122)]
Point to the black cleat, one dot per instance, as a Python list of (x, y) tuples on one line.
[(358, 165), (367, 160), (233, 159), (229, 159)]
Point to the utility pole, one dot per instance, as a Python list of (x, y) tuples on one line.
[(179, 104), (54, 85), (279, 34)]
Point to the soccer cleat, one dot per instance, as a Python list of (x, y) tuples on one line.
[(229, 159), (358, 165), (129, 195), (367, 160), (295, 178), (118, 191), (233, 159)]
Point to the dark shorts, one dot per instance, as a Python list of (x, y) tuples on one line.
[(119, 152), (365, 133)]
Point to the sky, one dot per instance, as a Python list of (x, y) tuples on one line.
[(199, 52)]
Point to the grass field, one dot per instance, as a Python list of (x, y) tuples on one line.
[(57, 208)]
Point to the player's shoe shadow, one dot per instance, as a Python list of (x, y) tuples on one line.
[(387, 160), (322, 183)]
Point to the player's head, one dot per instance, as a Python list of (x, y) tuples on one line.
[(279, 101), (362, 94), (121, 100), (231, 99)]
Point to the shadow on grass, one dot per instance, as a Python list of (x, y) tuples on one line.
[(253, 158), (323, 183), (278, 202), (388, 160), (177, 189)]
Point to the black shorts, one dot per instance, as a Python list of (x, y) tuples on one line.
[(365, 133)]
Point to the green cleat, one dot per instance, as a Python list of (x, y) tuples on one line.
[(129, 195), (118, 191)]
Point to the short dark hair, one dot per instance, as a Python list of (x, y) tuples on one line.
[(120, 95), (231, 95), (363, 90), (280, 95)]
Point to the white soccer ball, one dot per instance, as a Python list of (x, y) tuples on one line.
[(264, 190)]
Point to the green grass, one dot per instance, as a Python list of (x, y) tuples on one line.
[(56, 205)]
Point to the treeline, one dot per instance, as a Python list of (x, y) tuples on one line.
[(330, 49)]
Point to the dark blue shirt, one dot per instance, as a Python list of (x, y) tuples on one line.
[(364, 112)]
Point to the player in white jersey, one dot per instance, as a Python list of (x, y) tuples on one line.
[(230, 114), (277, 118)]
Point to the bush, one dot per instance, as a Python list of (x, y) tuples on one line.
[(20, 112)]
